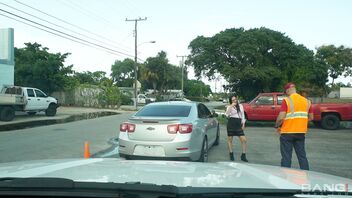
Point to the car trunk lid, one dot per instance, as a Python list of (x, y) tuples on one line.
[(152, 129)]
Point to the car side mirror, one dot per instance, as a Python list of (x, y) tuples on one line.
[(214, 114)]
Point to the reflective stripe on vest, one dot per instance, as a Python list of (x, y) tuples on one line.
[(297, 114)]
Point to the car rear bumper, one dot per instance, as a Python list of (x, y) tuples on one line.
[(169, 150)]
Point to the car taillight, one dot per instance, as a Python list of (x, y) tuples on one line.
[(130, 128), (172, 128), (123, 127), (181, 128), (185, 128), (127, 127)]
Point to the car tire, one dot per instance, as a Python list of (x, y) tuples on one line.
[(7, 114), (51, 110), (217, 140), (204, 153), (31, 113), (330, 122)]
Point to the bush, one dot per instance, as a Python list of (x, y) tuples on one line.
[(126, 99)]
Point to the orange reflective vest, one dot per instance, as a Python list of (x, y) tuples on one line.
[(296, 120)]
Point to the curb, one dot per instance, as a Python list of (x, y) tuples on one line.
[(71, 118)]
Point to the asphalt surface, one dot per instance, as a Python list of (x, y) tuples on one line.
[(328, 151)]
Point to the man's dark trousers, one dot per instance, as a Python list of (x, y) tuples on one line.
[(296, 141)]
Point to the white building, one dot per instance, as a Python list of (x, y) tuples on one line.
[(345, 92), (7, 57)]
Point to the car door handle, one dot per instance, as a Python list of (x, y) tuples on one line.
[(272, 107), (29, 99), (38, 99)]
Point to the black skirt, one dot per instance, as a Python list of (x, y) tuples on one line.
[(234, 127)]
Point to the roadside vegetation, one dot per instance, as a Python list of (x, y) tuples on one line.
[(251, 61)]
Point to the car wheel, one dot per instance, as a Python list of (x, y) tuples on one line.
[(7, 114), (330, 122), (204, 153), (51, 110), (31, 113), (217, 140)]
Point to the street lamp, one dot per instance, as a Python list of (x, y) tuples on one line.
[(136, 71), (146, 42)]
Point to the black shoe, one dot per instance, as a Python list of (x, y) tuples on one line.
[(243, 157), (232, 158)]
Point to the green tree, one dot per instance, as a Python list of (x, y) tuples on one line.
[(253, 61), (149, 78), (122, 72), (36, 67), (337, 59), (93, 78), (161, 75), (195, 89), (110, 95)]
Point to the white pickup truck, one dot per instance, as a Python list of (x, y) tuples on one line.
[(26, 99), (143, 99)]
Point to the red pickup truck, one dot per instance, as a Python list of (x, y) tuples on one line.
[(266, 107)]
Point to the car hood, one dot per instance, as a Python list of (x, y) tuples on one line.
[(180, 174)]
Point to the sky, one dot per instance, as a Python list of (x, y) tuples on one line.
[(172, 24)]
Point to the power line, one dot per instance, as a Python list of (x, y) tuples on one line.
[(73, 25), (62, 27), (98, 45), (89, 12), (55, 34)]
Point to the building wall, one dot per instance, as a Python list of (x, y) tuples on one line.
[(7, 61), (82, 97), (6, 75), (345, 92)]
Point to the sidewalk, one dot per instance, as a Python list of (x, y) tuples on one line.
[(64, 114)]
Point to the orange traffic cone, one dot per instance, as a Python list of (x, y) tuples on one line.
[(86, 150)]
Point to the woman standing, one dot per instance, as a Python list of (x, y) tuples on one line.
[(235, 127)]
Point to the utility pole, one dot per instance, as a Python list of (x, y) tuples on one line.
[(182, 61), (135, 57)]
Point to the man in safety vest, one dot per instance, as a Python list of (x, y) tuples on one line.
[(292, 124)]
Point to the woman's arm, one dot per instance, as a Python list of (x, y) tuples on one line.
[(228, 110), (243, 117)]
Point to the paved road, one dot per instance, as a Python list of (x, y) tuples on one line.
[(60, 140), (328, 151)]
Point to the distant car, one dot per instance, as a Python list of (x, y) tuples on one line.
[(170, 130), (225, 100), (143, 99)]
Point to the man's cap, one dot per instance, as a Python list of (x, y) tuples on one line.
[(289, 85)]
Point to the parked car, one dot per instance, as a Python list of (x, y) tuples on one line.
[(266, 107), (169, 130), (143, 99), (26, 99)]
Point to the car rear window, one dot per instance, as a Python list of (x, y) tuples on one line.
[(165, 110)]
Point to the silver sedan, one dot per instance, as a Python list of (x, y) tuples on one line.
[(170, 130)]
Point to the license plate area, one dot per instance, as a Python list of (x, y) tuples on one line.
[(149, 150)]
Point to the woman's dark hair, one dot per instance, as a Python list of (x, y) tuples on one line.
[(237, 104)]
